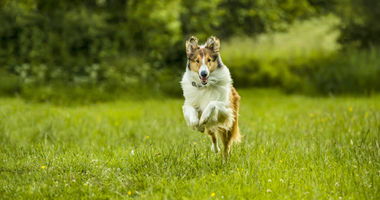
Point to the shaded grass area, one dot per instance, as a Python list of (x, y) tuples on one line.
[(293, 147)]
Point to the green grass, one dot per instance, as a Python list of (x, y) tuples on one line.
[(294, 147)]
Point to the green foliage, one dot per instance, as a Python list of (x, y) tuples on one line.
[(294, 147), (10, 83), (71, 39), (201, 18), (352, 71), (360, 25), (252, 17), (118, 45), (154, 27), (274, 59), (304, 59)]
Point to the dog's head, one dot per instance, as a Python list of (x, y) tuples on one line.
[(203, 59)]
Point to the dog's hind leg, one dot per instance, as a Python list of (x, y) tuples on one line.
[(226, 137), (214, 140)]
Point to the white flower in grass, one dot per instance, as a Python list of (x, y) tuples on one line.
[(269, 180), (269, 190), (132, 152)]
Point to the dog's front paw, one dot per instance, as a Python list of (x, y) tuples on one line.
[(193, 122), (207, 114)]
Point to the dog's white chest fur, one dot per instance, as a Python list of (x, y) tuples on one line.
[(201, 97), (198, 96)]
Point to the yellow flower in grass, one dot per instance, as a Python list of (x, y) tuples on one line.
[(43, 167), (350, 109), (213, 194), (129, 193), (311, 115), (147, 137)]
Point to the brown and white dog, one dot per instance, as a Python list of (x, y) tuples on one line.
[(211, 102)]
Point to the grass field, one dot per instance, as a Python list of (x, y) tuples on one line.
[(294, 147)]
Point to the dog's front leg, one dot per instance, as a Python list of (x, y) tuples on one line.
[(191, 116), (216, 111)]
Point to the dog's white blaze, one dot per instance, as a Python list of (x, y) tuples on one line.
[(203, 67)]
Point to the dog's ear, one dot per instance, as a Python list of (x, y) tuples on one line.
[(191, 46), (213, 44)]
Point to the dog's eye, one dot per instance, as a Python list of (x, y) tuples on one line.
[(209, 60), (197, 61)]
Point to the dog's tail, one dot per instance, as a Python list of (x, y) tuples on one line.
[(235, 131)]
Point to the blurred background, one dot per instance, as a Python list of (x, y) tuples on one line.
[(102, 49)]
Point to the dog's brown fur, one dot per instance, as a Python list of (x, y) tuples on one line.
[(229, 135), (198, 55)]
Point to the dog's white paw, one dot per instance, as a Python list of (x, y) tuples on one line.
[(193, 122), (207, 114), (215, 148)]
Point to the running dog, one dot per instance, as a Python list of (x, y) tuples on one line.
[(211, 102)]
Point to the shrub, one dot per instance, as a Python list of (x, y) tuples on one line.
[(9, 83), (274, 59), (351, 71), (360, 22)]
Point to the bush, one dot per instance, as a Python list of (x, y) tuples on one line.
[(275, 59), (305, 59), (351, 71), (10, 83), (71, 35), (360, 22), (118, 45)]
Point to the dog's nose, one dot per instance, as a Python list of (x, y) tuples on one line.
[(203, 73)]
